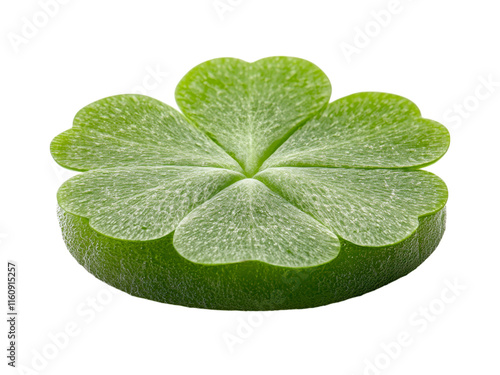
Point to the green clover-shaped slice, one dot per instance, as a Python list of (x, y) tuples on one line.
[(260, 196)]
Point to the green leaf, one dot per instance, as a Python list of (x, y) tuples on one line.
[(250, 108), (247, 221), (141, 203), (134, 130), (365, 130), (367, 207)]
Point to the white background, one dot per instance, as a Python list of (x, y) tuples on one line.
[(437, 53)]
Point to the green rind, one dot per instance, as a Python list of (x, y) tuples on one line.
[(155, 270)]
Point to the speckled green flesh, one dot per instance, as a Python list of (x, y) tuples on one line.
[(261, 195)]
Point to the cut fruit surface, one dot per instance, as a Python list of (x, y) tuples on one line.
[(135, 130), (141, 203), (247, 221), (368, 207), (259, 196), (249, 109)]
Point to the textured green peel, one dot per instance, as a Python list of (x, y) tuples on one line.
[(259, 195)]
